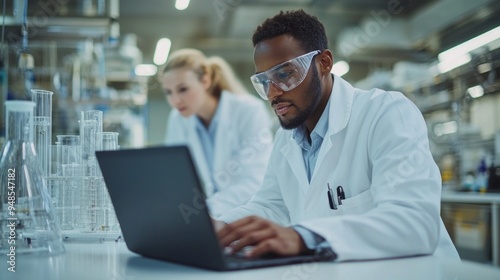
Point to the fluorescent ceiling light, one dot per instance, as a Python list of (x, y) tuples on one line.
[(449, 64), (471, 44), (145, 70), (476, 91), (459, 55), (340, 68), (162, 50), (181, 4)]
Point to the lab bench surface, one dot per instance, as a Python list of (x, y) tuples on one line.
[(113, 261)]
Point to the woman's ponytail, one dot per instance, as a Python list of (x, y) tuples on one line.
[(223, 77)]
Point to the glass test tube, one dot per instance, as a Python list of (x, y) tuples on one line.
[(42, 119)]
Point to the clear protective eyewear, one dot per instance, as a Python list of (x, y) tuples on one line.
[(286, 76)]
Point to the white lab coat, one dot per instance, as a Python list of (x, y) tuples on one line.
[(243, 144), (377, 149)]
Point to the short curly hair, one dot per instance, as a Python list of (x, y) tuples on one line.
[(305, 28)]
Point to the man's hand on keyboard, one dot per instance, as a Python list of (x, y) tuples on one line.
[(266, 237)]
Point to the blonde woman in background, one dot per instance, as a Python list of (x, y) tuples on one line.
[(227, 129)]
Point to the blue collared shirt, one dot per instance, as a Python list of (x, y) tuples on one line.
[(207, 140), (310, 150)]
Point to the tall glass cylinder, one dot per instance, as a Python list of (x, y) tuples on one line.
[(27, 222), (43, 128), (110, 222), (90, 140)]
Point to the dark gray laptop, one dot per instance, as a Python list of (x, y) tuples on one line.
[(160, 205)]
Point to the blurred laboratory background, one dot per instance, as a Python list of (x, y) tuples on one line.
[(442, 54)]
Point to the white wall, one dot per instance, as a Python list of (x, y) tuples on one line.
[(485, 114), (158, 111)]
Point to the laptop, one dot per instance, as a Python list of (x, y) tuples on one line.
[(160, 205)]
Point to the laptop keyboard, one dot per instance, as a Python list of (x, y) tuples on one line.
[(241, 254)]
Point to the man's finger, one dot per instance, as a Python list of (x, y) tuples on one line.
[(253, 238), (230, 227), (238, 229), (237, 232), (266, 247)]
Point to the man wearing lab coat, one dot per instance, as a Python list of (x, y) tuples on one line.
[(350, 171)]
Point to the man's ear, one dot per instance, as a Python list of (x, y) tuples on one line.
[(325, 62)]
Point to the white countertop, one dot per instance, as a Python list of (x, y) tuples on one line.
[(113, 261)]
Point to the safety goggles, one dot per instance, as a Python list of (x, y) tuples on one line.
[(286, 76)]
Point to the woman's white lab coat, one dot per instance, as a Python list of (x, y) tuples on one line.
[(377, 149), (243, 144)]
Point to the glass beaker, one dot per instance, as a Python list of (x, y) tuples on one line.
[(27, 222), (42, 119), (68, 151)]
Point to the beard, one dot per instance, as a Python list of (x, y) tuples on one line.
[(314, 90)]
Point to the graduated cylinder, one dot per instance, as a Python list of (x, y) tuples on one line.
[(42, 120)]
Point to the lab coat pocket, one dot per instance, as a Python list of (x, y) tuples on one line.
[(358, 204)]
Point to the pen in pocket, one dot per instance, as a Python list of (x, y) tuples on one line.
[(331, 199), (340, 194)]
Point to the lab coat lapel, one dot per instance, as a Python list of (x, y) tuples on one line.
[(224, 134), (293, 154), (341, 99), (199, 156)]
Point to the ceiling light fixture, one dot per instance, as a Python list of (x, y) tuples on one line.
[(449, 64), (161, 51), (181, 4), (145, 70), (459, 55)]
